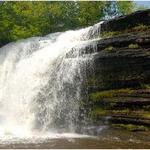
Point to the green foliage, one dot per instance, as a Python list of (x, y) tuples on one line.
[(145, 86), (137, 28), (90, 12), (98, 112), (125, 7), (109, 34), (131, 127), (100, 95), (109, 94), (140, 27), (115, 8), (147, 115), (133, 46), (109, 49), (122, 111), (37, 18)]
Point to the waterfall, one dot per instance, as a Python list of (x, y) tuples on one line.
[(40, 88)]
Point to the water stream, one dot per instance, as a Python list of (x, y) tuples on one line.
[(39, 86)]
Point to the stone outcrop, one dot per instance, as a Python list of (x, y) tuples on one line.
[(128, 108), (117, 65), (119, 83), (128, 21)]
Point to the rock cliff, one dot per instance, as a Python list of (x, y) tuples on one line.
[(119, 85)]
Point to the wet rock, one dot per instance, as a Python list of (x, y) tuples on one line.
[(128, 21)]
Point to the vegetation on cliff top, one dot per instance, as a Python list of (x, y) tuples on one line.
[(139, 28), (28, 19)]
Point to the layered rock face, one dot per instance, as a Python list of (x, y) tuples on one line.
[(119, 85)]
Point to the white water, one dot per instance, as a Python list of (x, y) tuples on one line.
[(39, 87)]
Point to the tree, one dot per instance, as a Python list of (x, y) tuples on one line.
[(125, 7), (90, 12), (117, 8), (37, 18)]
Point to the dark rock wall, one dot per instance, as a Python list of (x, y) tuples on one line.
[(119, 84), (129, 21)]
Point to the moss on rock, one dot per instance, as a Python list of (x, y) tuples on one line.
[(131, 127), (97, 96), (97, 113)]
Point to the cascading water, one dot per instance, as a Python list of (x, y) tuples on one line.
[(39, 86)]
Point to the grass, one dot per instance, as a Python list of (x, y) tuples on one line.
[(133, 46), (145, 86), (131, 127), (137, 28), (146, 115), (123, 111), (109, 49), (98, 112), (109, 94)]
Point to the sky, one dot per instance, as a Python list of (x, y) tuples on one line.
[(143, 3)]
